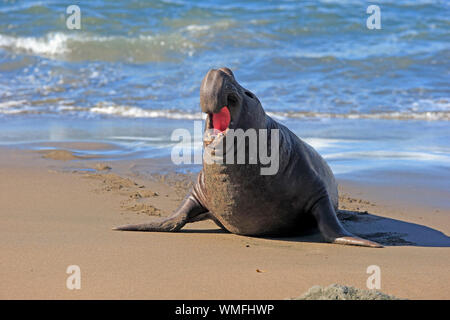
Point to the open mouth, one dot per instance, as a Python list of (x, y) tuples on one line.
[(221, 120), (217, 124)]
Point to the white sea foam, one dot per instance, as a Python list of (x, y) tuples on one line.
[(441, 111), (135, 112), (429, 115), (196, 27), (22, 107), (11, 103), (52, 44), (382, 154), (87, 47)]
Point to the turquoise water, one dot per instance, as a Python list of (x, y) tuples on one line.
[(366, 99)]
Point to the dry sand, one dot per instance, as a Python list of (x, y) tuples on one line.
[(59, 213)]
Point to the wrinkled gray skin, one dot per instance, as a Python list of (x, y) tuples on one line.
[(241, 200)]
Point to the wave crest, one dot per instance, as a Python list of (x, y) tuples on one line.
[(80, 47), (124, 111)]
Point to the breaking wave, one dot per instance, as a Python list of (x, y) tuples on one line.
[(80, 47), (124, 111)]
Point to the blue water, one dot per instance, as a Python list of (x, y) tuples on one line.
[(364, 98)]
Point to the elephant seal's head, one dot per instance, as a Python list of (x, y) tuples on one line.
[(228, 105)]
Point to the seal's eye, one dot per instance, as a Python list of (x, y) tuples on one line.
[(232, 101)]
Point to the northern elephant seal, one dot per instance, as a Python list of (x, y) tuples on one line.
[(237, 196)]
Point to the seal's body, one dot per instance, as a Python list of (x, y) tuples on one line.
[(237, 196), (248, 203)]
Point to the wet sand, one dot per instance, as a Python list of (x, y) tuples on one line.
[(57, 209)]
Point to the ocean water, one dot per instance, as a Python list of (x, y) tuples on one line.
[(366, 99)]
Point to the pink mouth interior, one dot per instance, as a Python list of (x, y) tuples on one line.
[(221, 120)]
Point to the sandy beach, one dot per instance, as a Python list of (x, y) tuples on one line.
[(57, 209)]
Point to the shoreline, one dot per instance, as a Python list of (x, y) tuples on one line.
[(57, 213)]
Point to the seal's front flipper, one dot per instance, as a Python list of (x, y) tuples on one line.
[(187, 212), (332, 230)]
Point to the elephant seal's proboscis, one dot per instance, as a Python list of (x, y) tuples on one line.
[(252, 198)]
